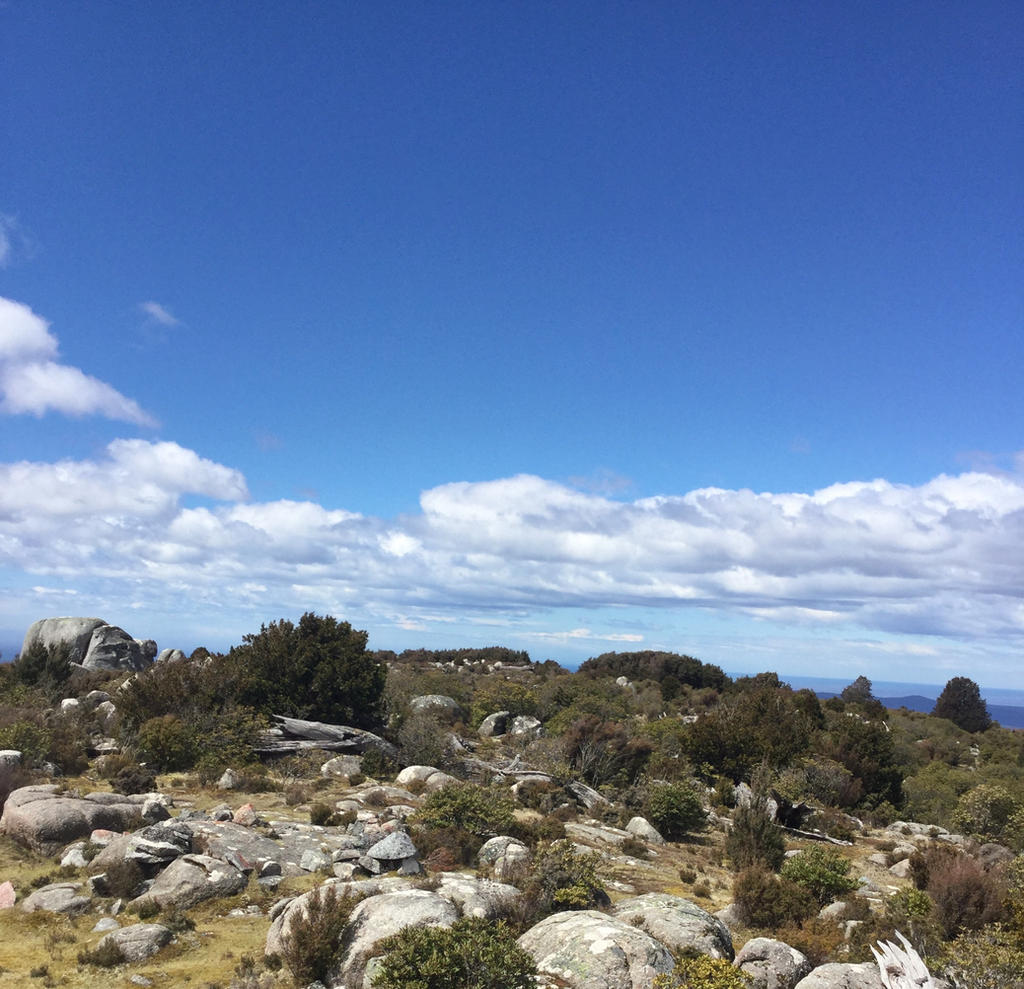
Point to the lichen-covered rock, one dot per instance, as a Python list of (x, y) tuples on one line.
[(590, 950), (137, 942), (508, 858), (193, 878), (843, 976), (495, 724), (677, 923), (772, 964), (441, 706), (643, 829)]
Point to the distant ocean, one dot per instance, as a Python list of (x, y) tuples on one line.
[(1004, 705)]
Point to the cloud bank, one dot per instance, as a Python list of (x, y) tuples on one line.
[(32, 382), (941, 558)]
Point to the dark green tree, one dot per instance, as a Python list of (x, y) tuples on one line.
[(318, 669), (961, 703), (859, 692)]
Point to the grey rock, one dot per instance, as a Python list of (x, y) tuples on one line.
[(170, 656), (46, 820), (644, 830), (94, 698), (508, 858), (75, 633), (772, 964), (380, 916), (441, 706), (342, 765), (105, 924), (10, 758), (112, 648), (525, 725), (106, 714), (495, 724), (138, 942), (314, 861), (589, 950), (901, 870), (57, 898), (69, 705), (677, 923), (395, 847), (193, 878), (843, 976), (229, 780)]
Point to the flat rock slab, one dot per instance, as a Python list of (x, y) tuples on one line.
[(57, 898), (590, 950)]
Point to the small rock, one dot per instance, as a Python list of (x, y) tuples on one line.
[(106, 924), (644, 830), (7, 895), (246, 816), (230, 780)]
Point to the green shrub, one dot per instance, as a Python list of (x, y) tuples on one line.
[(105, 955), (675, 810), (771, 902), (471, 954), (313, 945), (324, 815), (992, 958), (821, 871), (754, 838), (29, 738), (702, 972), (563, 879), (166, 743), (45, 667), (483, 811), (985, 811), (377, 764)]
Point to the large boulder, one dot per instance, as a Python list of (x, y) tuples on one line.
[(190, 879), (381, 916), (590, 950), (507, 857), (677, 923), (843, 976), (46, 820), (91, 643), (772, 964), (137, 942)]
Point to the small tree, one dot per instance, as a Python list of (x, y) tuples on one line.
[(961, 703), (754, 839), (675, 810), (821, 871), (483, 811)]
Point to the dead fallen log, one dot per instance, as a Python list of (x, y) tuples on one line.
[(295, 735)]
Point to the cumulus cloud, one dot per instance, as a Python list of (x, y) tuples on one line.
[(32, 382), (941, 558), (159, 313)]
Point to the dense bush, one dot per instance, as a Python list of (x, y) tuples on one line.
[(313, 945), (166, 743), (960, 702), (318, 669), (966, 897), (483, 811), (471, 954), (823, 872), (602, 751), (985, 812), (45, 667), (675, 810), (650, 665), (769, 901)]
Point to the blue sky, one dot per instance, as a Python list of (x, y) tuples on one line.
[(572, 327)]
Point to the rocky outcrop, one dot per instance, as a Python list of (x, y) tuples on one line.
[(495, 724), (772, 964), (590, 950), (677, 923), (508, 858), (842, 976), (193, 878), (137, 942), (92, 643), (170, 656), (47, 820)]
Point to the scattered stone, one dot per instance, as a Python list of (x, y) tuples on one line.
[(105, 924), (8, 897), (525, 725), (69, 705), (230, 780), (246, 816), (342, 766), (313, 861), (10, 758), (901, 870)]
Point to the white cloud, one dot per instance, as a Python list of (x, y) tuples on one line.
[(33, 383), (159, 313), (945, 558)]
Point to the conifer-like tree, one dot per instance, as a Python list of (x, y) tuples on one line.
[(961, 703)]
